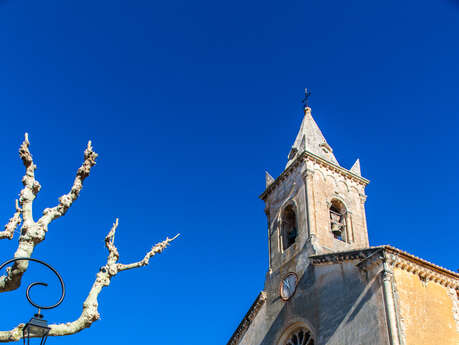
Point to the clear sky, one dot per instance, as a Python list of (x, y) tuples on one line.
[(187, 103)]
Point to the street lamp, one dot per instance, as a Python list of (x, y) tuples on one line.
[(37, 327)]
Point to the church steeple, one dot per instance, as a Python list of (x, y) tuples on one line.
[(311, 139), (315, 205)]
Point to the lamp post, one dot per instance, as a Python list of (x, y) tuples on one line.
[(37, 327)]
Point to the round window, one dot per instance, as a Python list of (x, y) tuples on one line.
[(301, 336)]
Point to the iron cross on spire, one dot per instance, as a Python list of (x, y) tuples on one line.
[(306, 98)]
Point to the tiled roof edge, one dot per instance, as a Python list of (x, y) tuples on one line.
[(395, 257)]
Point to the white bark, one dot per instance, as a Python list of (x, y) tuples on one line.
[(90, 311), (33, 232), (65, 201), (12, 224)]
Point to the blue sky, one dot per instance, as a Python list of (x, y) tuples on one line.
[(187, 104)]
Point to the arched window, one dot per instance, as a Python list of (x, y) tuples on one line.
[(338, 220), (301, 336), (289, 227)]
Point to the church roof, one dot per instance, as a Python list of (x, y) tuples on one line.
[(367, 257), (311, 139), (397, 257)]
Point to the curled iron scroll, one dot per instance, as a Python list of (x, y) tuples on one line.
[(40, 283)]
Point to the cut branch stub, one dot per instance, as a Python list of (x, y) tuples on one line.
[(66, 200), (90, 312), (32, 233)]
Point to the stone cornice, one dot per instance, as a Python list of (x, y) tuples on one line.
[(336, 168), (306, 155), (338, 257), (247, 320), (282, 176), (424, 269), (395, 258)]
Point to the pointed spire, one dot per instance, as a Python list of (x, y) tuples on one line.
[(311, 139), (356, 168), (269, 179)]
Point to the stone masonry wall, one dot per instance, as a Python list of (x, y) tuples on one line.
[(323, 186), (336, 302), (290, 192), (310, 187), (427, 311)]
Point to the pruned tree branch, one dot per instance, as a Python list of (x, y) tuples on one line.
[(12, 224), (157, 248), (29, 234), (13, 335), (65, 201), (32, 233), (31, 186), (90, 311)]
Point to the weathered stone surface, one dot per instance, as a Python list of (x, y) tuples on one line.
[(311, 139), (356, 168), (347, 293), (426, 310), (333, 301)]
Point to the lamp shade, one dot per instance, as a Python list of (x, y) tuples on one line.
[(37, 327)]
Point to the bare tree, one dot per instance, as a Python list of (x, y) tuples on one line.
[(33, 232)]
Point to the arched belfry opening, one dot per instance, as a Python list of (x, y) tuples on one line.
[(338, 224), (289, 230)]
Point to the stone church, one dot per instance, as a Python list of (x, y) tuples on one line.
[(325, 284)]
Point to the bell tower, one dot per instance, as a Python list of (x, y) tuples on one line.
[(315, 206), (325, 285)]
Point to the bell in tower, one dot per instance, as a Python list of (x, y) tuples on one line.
[(315, 206)]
